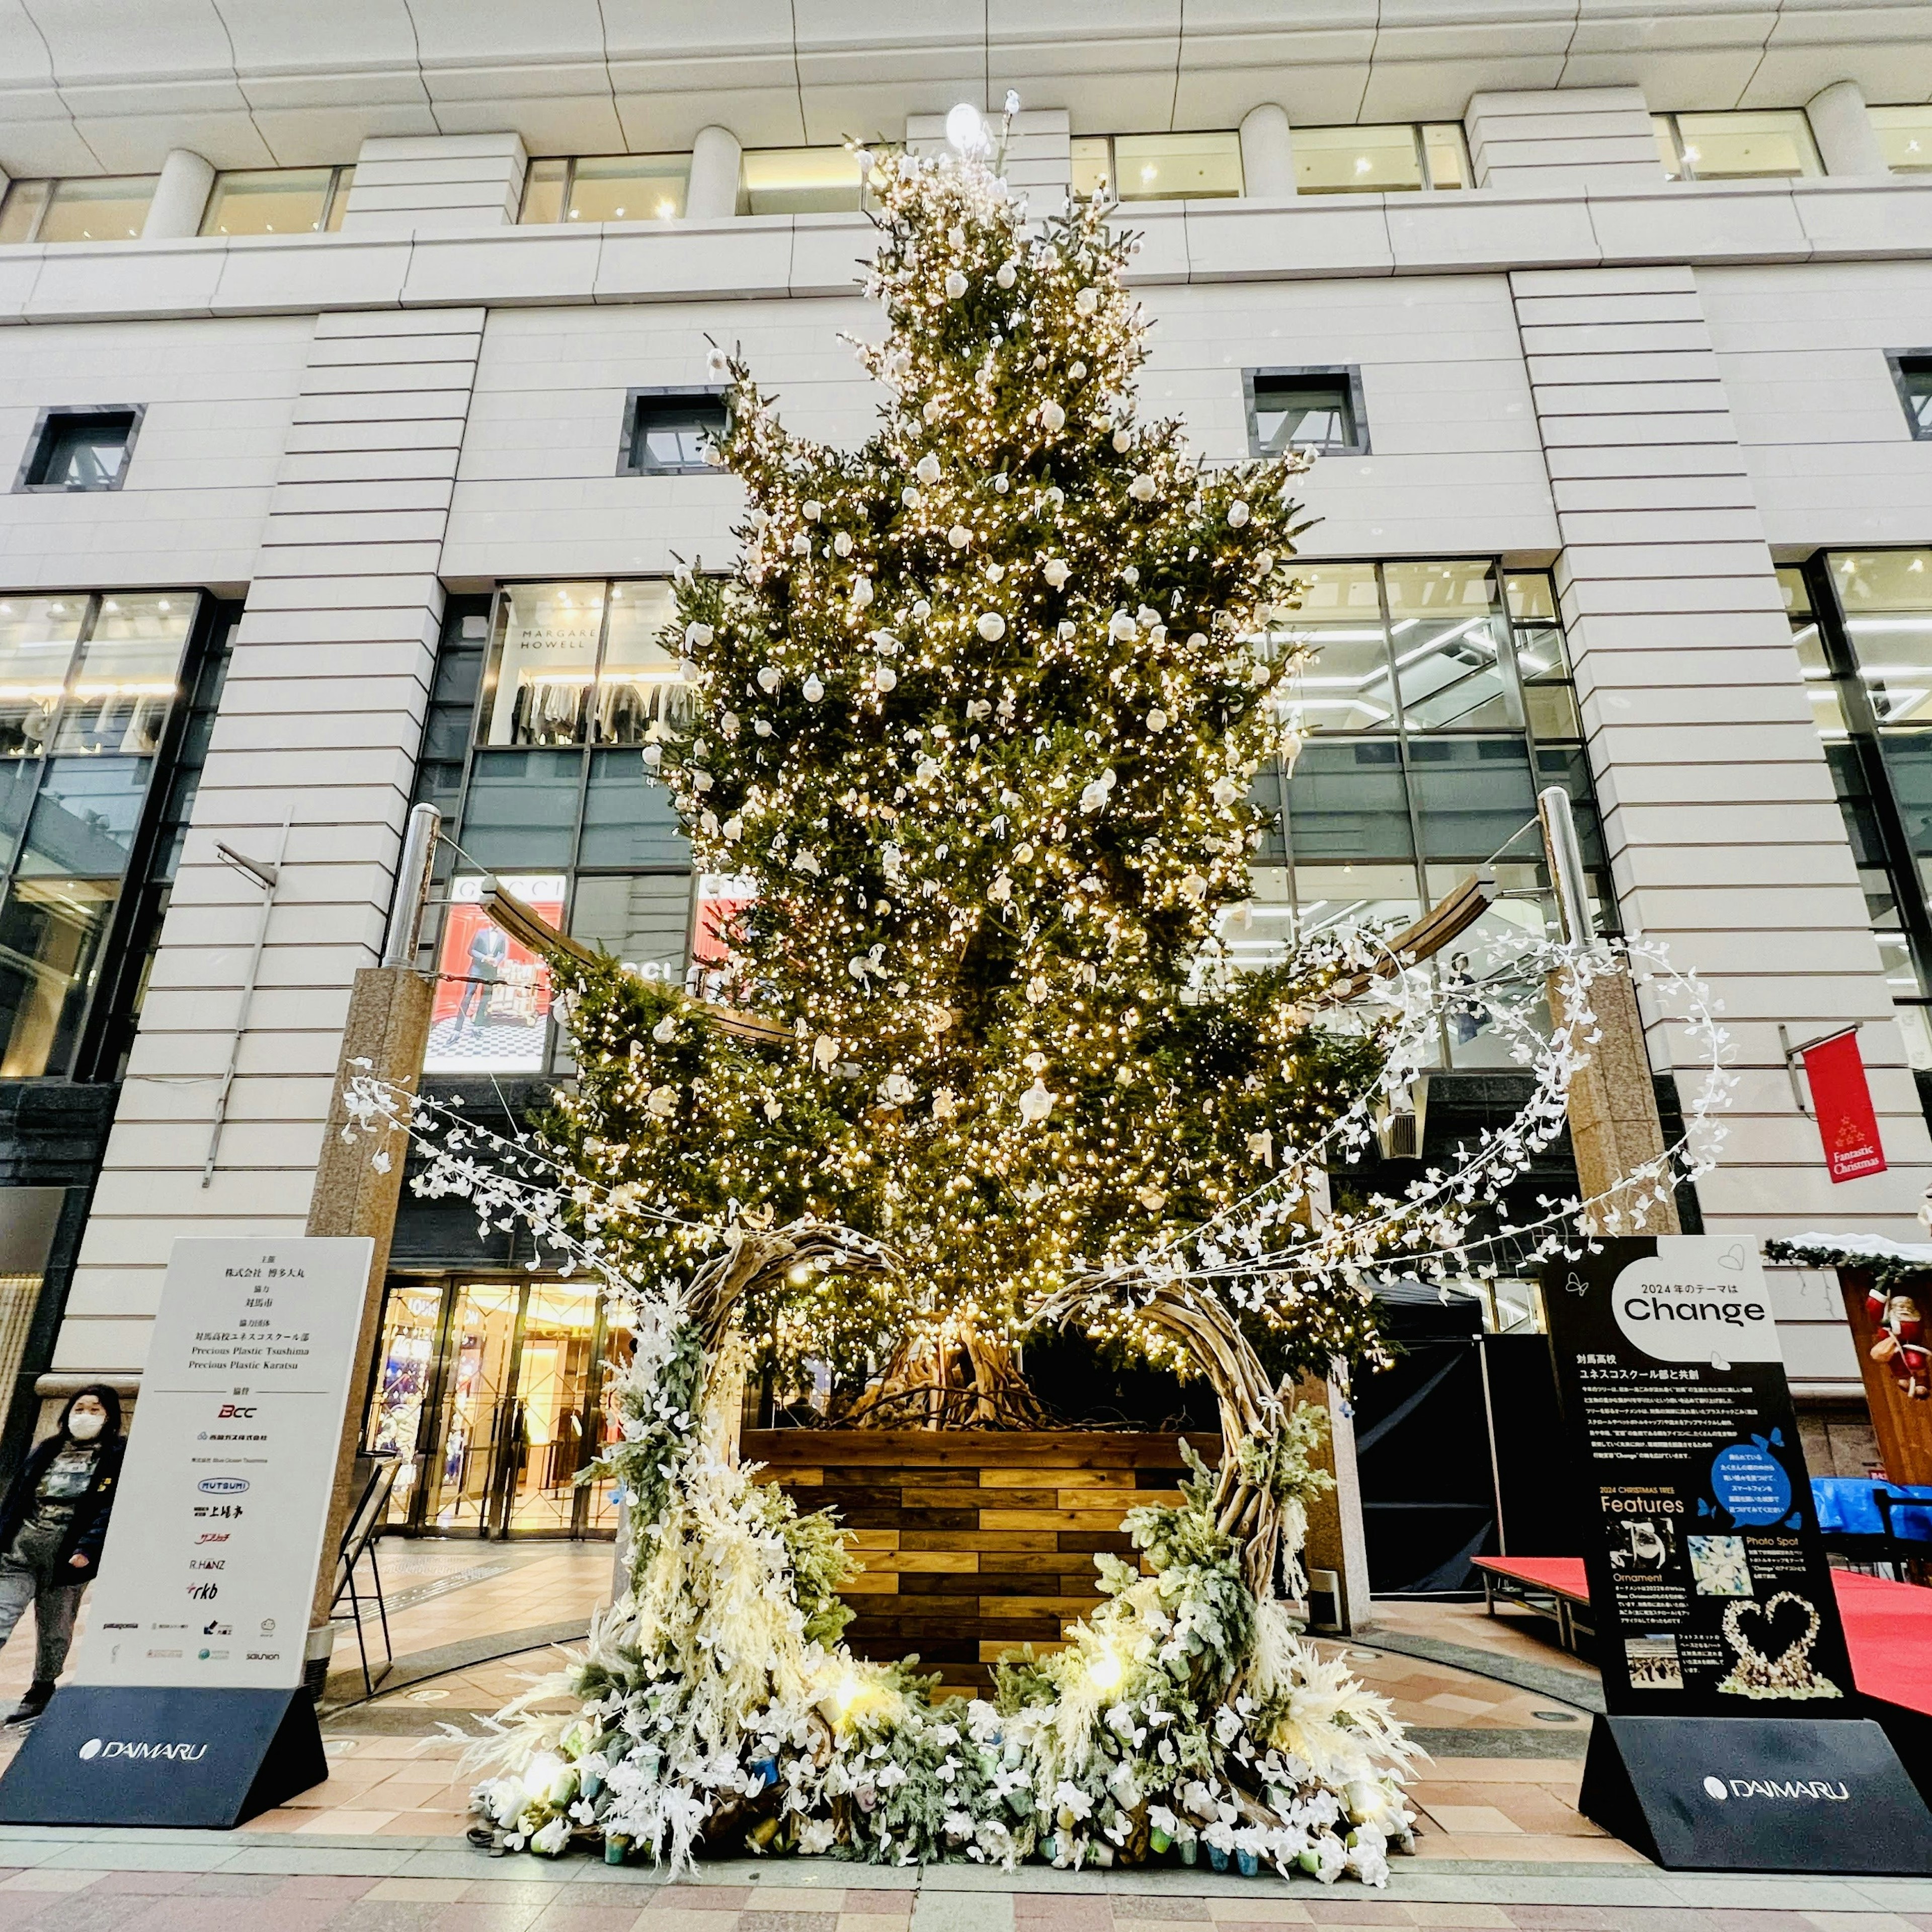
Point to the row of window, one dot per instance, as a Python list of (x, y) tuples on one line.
[(667, 431), (1394, 158), (1440, 703)]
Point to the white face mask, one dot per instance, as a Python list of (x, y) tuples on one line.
[(84, 1427)]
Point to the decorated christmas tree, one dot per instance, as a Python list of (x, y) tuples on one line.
[(973, 723), (972, 720)]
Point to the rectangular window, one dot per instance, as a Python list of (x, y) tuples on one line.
[(670, 432), (1398, 159), (96, 209), (605, 188), (94, 681), (1886, 599), (1177, 167), (20, 213), (1436, 703), (1158, 167), (1911, 376), (799, 181), (80, 449), (276, 201), (534, 751), (1904, 138), (1769, 144), (1317, 409)]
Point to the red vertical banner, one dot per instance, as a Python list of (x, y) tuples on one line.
[(1846, 1124)]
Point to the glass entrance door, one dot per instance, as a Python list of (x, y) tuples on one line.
[(492, 1392)]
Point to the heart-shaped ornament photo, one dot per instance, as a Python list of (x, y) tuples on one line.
[(1773, 1641)]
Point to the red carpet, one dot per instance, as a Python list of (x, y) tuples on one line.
[(1887, 1626)]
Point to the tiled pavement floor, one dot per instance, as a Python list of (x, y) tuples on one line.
[(63, 1899)]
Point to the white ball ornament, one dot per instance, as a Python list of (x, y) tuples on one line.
[(921, 611), (991, 626), (842, 544), (1121, 627), (1078, 370), (1086, 302), (955, 285), (862, 592), (1056, 570), (812, 512), (1141, 489), (885, 678), (1264, 562), (653, 757), (801, 545), (733, 828), (813, 690), (927, 469), (1124, 440), (1156, 719), (959, 536), (1036, 1104), (1006, 274), (910, 497), (1238, 514), (717, 364), (1054, 417), (762, 727), (770, 678), (697, 636), (933, 410), (1001, 484)]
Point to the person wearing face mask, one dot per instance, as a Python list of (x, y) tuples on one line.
[(53, 1522)]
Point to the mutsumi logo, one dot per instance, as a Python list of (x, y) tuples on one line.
[(222, 1485), (181, 1753), (1794, 1790)]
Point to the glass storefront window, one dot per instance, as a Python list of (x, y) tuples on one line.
[(1348, 687), (543, 664), (644, 920), (638, 683), (1820, 686), (128, 677), (493, 1394), (492, 996), (85, 818), (38, 635), (50, 935), (629, 819), (1886, 597), (1444, 626), (799, 181)]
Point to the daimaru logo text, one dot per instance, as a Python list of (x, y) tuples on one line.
[(180, 1753), (1798, 1790)]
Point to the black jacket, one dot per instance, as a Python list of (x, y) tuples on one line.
[(87, 1531)]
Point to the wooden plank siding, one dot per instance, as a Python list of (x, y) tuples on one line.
[(974, 1542)]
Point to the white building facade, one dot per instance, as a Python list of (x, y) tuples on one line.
[(1619, 325)]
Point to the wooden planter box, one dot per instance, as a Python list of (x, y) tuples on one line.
[(974, 1541)]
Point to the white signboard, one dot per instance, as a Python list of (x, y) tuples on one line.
[(212, 1549)]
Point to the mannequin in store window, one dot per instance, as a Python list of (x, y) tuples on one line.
[(52, 1524)]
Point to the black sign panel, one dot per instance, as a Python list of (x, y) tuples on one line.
[(1709, 1585), (104, 1755), (1756, 1794)]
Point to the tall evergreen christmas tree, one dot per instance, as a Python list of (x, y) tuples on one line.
[(976, 716)]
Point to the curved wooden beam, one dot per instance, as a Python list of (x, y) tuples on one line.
[(1442, 925), (529, 928)]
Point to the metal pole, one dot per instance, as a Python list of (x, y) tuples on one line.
[(1566, 865), (411, 892), (267, 877)]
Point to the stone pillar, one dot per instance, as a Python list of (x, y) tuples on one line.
[(1614, 1129), (1847, 141), (436, 184), (385, 1036), (320, 724), (1267, 153), (1565, 141), (181, 198), (1719, 822), (712, 193)]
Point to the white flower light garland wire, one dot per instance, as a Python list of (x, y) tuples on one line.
[(1187, 1715)]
